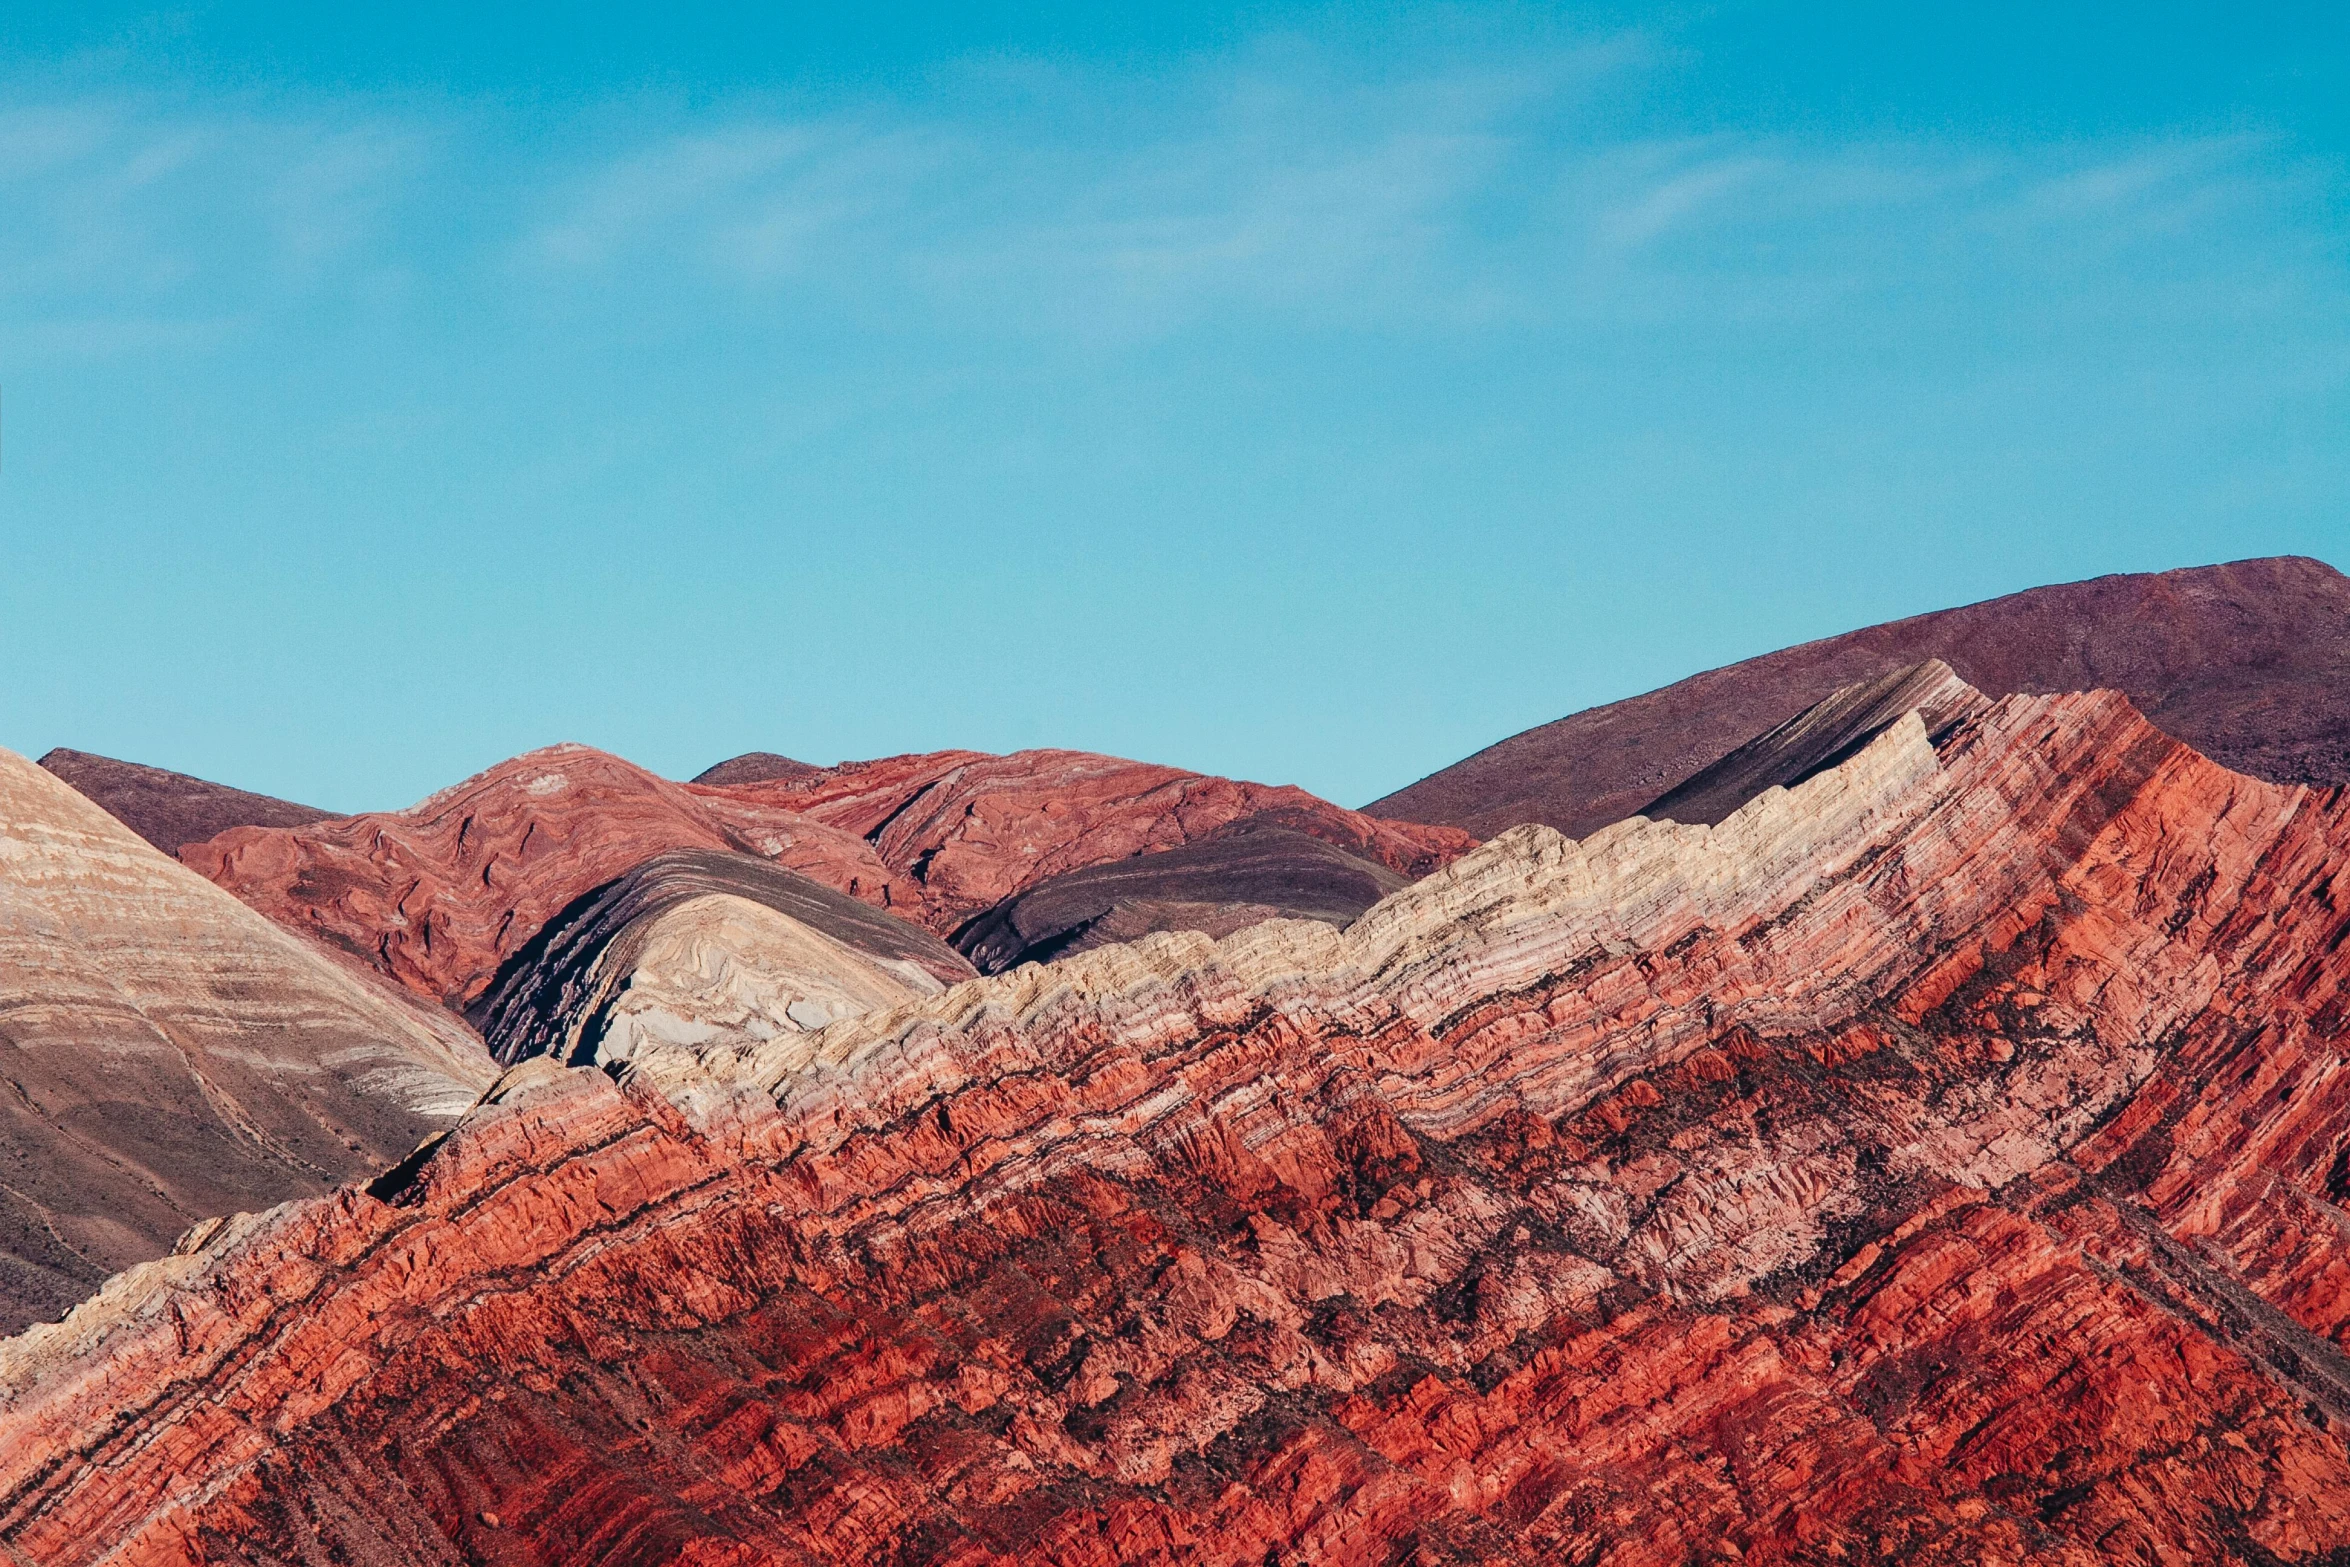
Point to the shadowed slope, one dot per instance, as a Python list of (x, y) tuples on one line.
[(2249, 663), (169, 809), (1249, 872), (167, 1055), (1937, 1162)]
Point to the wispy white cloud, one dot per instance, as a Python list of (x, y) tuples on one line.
[(136, 226), (1102, 212)]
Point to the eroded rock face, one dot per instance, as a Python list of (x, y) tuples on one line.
[(974, 829), (440, 896), (169, 809), (1939, 1161), (166, 1054), (2249, 663), (692, 944)]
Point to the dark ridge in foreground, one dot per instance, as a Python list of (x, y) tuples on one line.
[(1252, 871), (754, 767), (542, 993), (2249, 663), (169, 809), (1818, 738)]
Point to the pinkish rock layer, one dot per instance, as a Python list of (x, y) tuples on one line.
[(1938, 1162)]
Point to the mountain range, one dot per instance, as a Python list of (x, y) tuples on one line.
[(1882, 1100)]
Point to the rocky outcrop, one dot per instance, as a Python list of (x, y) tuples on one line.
[(169, 809), (1823, 735), (974, 829), (444, 894), (1247, 873), (439, 896), (693, 944), (167, 1055), (755, 767), (2249, 663), (1938, 1161)]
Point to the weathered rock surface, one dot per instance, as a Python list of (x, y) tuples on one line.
[(443, 894), (169, 809), (692, 944), (1941, 1161), (754, 767), (2248, 662), (1244, 874), (166, 1054), (973, 829)]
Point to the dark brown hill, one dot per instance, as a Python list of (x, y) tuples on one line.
[(167, 808), (2248, 662), (754, 767)]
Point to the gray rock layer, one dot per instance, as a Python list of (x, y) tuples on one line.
[(1253, 871)]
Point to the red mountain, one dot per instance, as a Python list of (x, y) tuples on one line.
[(441, 895), (2249, 663), (1939, 1161)]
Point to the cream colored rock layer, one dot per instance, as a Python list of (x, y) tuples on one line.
[(724, 968)]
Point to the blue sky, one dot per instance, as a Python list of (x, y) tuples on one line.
[(1313, 395)]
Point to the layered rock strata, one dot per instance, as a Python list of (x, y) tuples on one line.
[(439, 896), (1940, 1161), (166, 1054), (169, 809), (442, 895), (1246, 874), (691, 945), (2248, 662)]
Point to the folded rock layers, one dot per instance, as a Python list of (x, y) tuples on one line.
[(1938, 1160)]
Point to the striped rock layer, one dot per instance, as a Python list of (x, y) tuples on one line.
[(1941, 1161), (167, 1054), (444, 894)]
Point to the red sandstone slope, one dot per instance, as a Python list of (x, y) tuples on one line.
[(441, 894), (1939, 1162), (2249, 663)]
